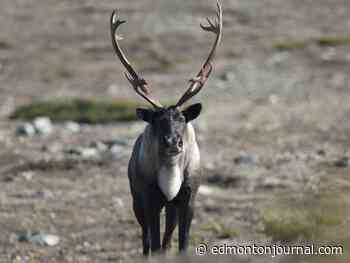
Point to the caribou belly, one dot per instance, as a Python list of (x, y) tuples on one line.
[(169, 181)]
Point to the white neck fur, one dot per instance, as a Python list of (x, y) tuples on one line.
[(170, 180)]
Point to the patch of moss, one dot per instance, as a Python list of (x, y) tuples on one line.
[(323, 41), (331, 41), (79, 110), (329, 219), (290, 44)]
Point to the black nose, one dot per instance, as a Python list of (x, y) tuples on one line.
[(172, 141)]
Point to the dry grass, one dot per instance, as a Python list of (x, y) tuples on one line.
[(219, 229), (303, 220)]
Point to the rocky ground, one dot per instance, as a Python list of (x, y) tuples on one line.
[(273, 134)]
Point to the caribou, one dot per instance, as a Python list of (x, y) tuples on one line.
[(164, 168)]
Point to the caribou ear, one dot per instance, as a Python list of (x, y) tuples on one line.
[(144, 114), (192, 112)]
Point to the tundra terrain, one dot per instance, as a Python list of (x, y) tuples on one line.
[(274, 133)]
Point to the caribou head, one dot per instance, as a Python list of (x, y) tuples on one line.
[(169, 122)]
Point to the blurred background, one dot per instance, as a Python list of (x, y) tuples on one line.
[(274, 133)]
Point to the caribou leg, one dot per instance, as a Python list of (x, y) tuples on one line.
[(170, 224), (142, 219)]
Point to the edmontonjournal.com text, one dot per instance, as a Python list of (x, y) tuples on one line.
[(269, 249)]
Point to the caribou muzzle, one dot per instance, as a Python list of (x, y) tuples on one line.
[(173, 144)]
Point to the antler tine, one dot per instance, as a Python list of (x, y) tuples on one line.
[(198, 82), (138, 83)]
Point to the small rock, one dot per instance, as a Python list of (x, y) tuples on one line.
[(278, 58), (39, 238), (100, 146), (229, 76), (249, 126), (329, 54), (78, 248), (88, 152), (19, 259), (118, 202), (271, 183), (209, 165), (113, 89), (28, 175), (342, 162), (321, 152), (245, 158), (73, 151), (47, 194), (116, 150), (205, 190), (98, 247), (51, 240), (84, 152), (274, 99), (86, 244), (43, 125), (25, 129), (54, 147), (72, 127)]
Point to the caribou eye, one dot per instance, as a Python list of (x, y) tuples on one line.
[(180, 117)]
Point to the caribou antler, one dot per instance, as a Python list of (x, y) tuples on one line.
[(202, 76), (138, 83)]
